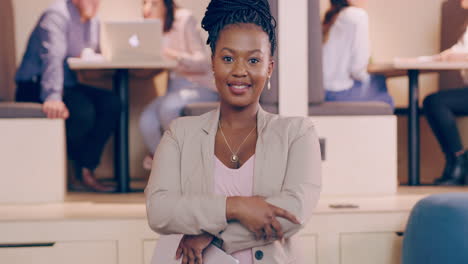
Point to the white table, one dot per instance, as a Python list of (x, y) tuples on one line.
[(413, 66), (120, 86)]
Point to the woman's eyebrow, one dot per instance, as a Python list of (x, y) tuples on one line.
[(250, 52)]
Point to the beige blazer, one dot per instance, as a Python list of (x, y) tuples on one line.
[(180, 195)]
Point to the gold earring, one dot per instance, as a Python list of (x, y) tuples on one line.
[(269, 84)]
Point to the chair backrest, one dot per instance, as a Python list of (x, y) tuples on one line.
[(7, 50), (316, 89), (436, 231), (452, 27)]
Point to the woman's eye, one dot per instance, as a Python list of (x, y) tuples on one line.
[(254, 61), (227, 59)]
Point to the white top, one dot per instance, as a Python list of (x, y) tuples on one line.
[(194, 58), (347, 51), (462, 46), (236, 182)]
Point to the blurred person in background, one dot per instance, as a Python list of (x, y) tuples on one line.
[(66, 29), (191, 81)]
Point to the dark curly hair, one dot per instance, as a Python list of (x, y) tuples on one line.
[(221, 13)]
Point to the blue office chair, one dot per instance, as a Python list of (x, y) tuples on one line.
[(437, 231)]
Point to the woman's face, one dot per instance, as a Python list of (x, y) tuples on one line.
[(358, 3), (87, 8), (464, 4), (242, 64), (154, 9)]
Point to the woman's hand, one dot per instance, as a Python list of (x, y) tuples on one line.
[(191, 248), (171, 54), (258, 216), (450, 55)]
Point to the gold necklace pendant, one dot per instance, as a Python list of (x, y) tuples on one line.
[(234, 158)]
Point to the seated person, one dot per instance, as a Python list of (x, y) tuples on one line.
[(346, 55), (191, 81), (64, 30), (441, 108)]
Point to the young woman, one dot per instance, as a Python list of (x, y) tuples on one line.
[(238, 175), (441, 109), (191, 81), (346, 54)]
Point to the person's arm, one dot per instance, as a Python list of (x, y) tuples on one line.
[(52, 30), (171, 212), (299, 194), (360, 47), (196, 58)]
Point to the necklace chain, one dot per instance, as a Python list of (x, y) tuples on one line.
[(234, 157)]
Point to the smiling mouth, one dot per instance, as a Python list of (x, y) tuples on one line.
[(239, 86)]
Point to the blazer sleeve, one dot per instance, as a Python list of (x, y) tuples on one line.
[(299, 195), (169, 210)]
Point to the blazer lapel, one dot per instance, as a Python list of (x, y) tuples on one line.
[(208, 143), (259, 153)]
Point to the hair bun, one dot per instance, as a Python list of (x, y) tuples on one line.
[(218, 9), (221, 13)]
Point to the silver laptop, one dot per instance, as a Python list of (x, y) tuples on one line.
[(132, 40)]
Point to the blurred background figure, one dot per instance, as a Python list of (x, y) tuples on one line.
[(346, 55), (66, 29), (442, 107), (191, 81)]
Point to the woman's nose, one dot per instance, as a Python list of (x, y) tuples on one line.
[(239, 70)]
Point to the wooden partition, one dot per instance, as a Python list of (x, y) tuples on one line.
[(7, 50)]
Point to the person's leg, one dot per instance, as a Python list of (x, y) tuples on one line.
[(92, 118), (441, 109), (374, 89), (354, 94), (174, 103), (150, 127), (377, 90), (80, 122), (106, 107)]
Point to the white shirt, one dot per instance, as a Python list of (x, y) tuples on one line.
[(346, 53), (462, 47), (194, 62)]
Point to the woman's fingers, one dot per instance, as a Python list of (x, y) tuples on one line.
[(258, 234), (178, 253), (277, 228), (199, 257), (191, 256), (285, 214), (267, 232), (185, 258)]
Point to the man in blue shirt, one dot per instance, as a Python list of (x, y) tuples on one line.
[(64, 30)]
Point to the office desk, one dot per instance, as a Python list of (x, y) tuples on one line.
[(120, 86), (413, 67)]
